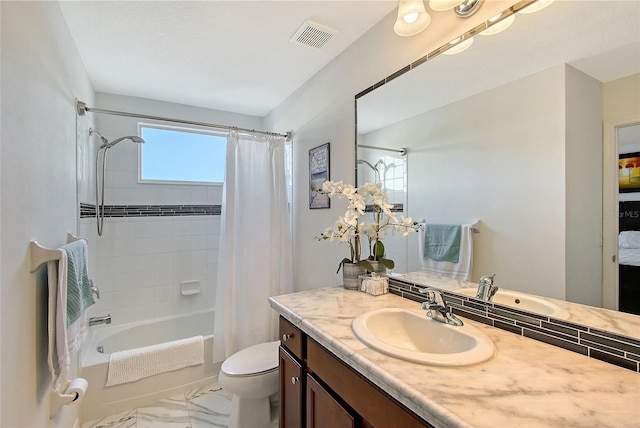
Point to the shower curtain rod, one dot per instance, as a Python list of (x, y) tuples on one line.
[(82, 110), (401, 152)]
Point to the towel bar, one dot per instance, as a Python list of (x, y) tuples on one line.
[(40, 254), (473, 229)]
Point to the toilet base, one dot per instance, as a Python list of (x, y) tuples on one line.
[(250, 412)]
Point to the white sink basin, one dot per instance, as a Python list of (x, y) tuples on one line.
[(521, 301), (410, 335)]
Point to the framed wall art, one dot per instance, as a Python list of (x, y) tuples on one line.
[(318, 174), (629, 172)]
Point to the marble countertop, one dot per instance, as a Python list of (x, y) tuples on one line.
[(527, 384)]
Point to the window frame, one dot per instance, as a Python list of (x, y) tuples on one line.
[(192, 130)]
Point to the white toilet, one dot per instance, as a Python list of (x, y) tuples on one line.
[(251, 375)]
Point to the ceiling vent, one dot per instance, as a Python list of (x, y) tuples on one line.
[(313, 35)]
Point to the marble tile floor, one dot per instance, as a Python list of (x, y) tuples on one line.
[(208, 407)]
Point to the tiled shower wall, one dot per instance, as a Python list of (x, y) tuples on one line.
[(150, 244), (139, 263)]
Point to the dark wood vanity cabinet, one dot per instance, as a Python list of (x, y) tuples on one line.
[(319, 390), (291, 391), (292, 376), (324, 410)]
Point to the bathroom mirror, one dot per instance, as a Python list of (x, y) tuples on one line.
[(510, 132)]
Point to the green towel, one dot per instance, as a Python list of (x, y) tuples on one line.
[(78, 287), (442, 242)]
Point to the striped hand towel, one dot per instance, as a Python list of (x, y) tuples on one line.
[(78, 286)]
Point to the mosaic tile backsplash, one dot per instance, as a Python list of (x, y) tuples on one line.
[(595, 343), (89, 210)]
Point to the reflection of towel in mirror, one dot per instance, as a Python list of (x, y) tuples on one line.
[(462, 270), (442, 242)]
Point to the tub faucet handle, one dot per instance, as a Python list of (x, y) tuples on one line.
[(94, 290)]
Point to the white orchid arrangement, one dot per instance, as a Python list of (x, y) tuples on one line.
[(350, 228)]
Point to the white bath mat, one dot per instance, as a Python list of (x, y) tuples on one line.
[(134, 364)]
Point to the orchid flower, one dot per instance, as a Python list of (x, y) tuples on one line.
[(349, 228)]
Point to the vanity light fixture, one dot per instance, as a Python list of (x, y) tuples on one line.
[(538, 5), (500, 26), (440, 5), (458, 45), (412, 18)]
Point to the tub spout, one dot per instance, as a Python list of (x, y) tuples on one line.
[(100, 320)]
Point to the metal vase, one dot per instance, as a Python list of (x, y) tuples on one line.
[(350, 274)]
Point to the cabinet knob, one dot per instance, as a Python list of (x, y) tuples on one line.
[(295, 379), (286, 337)]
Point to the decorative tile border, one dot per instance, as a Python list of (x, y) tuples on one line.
[(611, 348), (397, 208), (89, 210)]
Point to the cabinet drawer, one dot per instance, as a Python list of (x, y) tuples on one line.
[(291, 338), (369, 401)]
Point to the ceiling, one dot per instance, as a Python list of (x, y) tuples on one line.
[(227, 55), (602, 39)]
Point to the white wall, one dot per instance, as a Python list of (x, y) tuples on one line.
[(139, 262), (323, 110), (583, 188), (621, 103), (41, 77), (621, 99)]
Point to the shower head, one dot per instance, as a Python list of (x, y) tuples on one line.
[(133, 138), (380, 162), (106, 144), (362, 161)]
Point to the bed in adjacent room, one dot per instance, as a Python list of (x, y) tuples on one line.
[(629, 257)]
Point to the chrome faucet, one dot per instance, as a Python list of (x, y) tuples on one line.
[(486, 288), (437, 307), (100, 320)]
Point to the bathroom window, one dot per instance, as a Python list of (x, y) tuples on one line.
[(181, 155)]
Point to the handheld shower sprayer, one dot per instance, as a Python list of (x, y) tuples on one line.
[(133, 138), (102, 150)]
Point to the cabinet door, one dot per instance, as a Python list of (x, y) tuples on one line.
[(323, 410), (367, 400), (291, 390)]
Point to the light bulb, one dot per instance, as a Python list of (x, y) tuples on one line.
[(500, 26), (459, 46), (411, 17)]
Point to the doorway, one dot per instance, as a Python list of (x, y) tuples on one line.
[(621, 209)]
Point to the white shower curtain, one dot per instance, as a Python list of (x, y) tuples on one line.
[(254, 259)]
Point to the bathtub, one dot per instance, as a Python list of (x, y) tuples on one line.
[(100, 401)]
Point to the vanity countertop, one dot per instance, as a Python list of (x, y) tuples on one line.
[(527, 384)]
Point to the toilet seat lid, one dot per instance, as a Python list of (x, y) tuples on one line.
[(252, 360)]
